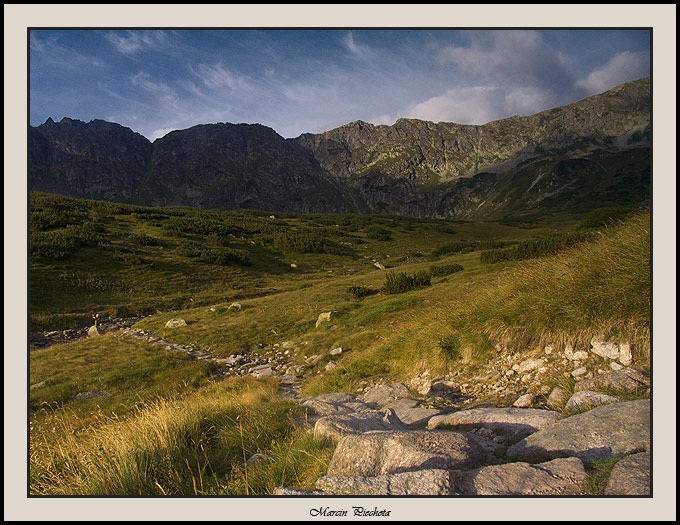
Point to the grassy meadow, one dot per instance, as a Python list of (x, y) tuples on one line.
[(169, 426)]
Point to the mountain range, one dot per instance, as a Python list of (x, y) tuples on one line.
[(569, 159)]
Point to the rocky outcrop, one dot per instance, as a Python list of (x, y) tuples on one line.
[(431, 482), (608, 431), (631, 476)]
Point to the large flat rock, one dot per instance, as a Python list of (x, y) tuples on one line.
[(381, 395), (619, 380), (378, 453), (516, 423), (410, 413), (335, 427), (556, 477), (612, 430), (435, 482), (335, 404), (630, 476)]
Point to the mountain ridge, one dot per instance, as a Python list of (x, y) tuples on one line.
[(413, 167)]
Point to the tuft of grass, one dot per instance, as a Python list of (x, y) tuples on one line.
[(197, 445), (598, 476)]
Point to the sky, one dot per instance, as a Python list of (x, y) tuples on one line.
[(310, 81)]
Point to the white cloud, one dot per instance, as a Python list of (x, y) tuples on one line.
[(135, 41), (361, 52), (620, 68), (382, 119), (217, 76), (481, 104), (160, 90)]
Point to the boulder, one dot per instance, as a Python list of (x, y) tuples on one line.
[(336, 351), (93, 331), (91, 395), (625, 354), (603, 432), (556, 477), (381, 395), (605, 349), (335, 404), (516, 423), (524, 401), (588, 399), (175, 323), (288, 491), (445, 389), (330, 366), (324, 317), (557, 398), (529, 364), (630, 476), (580, 372), (378, 453), (410, 413), (378, 265), (235, 306), (620, 380), (335, 427), (434, 482)]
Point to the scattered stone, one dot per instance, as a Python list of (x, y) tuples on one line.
[(581, 355), (293, 265), (335, 427), (525, 401), (630, 476), (548, 349), (324, 317), (262, 371), (625, 354), (615, 366), (435, 482), (91, 395), (544, 390), (579, 371), (611, 430), (330, 365), (336, 351), (410, 413), (556, 477), (529, 364), (515, 422), (93, 331), (257, 458), (621, 380), (381, 395), (378, 266), (235, 306), (378, 453), (39, 385), (445, 389), (604, 348), (557, 398), (588, 399), (509, 372), (175, 323)]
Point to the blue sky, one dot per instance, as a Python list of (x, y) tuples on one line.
[(298, 81)]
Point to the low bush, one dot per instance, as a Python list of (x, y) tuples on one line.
[(603, 217), (378, 234), (361, 291), (454, 248), (439, 270), (303, 242), (403, 282), (529, 249)]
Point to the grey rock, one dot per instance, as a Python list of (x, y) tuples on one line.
[(529, 364), (556, 477), (330, 366), (515, 423), (35, 386), (336, 351), (335, 427), (287, 491), (588, 399), (335, 404), (93, 331), (175, 323), (436, 482), (557, 398), (604, 348), (235, 306), (381, 395), (621, 380), (377, 453), (603, 432), (91, 395), (625, 354), (445, 389), (631, 476), (257, 458), (412, 415), (579, 372), (524, 401)]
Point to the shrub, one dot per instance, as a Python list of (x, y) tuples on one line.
[(223, 257), (403, 282), (360, 291), (144, 240), (455, 247), (439, 270), (190, 249), (546, 245)]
